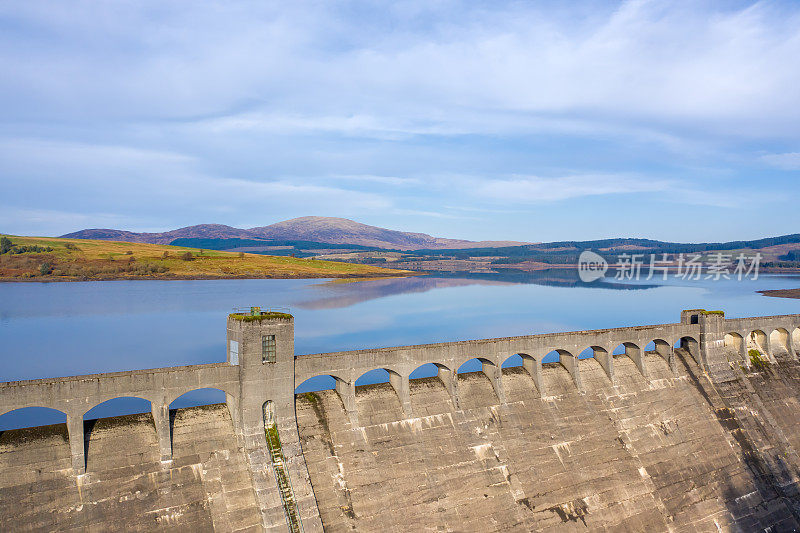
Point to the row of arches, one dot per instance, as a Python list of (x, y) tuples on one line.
[(118, 406), (80, 426), (449, 373), (779, 342)]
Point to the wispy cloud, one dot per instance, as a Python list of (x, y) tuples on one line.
[(535, 189), (382, 180), (687, 64), (787, 161)]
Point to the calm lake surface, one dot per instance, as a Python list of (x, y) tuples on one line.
[(62, 329)]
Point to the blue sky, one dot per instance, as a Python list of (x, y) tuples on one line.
[(532, 121)]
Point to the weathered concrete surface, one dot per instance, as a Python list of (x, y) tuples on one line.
[(207, 487), (666, 454)]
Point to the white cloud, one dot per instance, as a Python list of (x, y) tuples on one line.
[(534, 189), (382, 180), (521, 190), (787, 161)]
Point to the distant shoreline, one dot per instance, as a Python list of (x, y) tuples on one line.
[(782, 293), (348, 277)]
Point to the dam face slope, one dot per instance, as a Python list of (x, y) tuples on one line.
[(206, 488), (666, 454)]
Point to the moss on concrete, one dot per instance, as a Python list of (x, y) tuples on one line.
[(704, 312), (269, 315), (756, 361), (310, 397)]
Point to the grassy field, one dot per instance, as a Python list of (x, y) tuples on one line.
[(52, 259)]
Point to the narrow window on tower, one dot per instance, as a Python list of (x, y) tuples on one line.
[(268, 349), (234, 358)]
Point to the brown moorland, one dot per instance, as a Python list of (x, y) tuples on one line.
[(56, 259)]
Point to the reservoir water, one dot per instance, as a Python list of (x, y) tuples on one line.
[(62, 329)]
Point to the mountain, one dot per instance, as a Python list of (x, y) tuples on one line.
[(319, 229), (343, 231), (204, 231)]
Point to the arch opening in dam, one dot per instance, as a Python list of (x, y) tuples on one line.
[(480, 379), (103, 418), (779, 342), (632, 351), (758, 340), (317, 383), (433, 370), (561, 356), (384, 387), (428, 370), (559, 370), (22, 417), (528, 368), (431, 389), (662, 348), (590, 352), (599, 356), (373, 377), (198, 397), (595, 367), (344, 391), (691, 346), (736, 347), (382, 378), (475, 364), (796, 341), (118, 406), (519, 360)]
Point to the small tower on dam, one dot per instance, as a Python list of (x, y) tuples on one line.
[(261, 343), (711, 347)]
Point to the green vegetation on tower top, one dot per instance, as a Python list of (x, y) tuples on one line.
[(266, 315)]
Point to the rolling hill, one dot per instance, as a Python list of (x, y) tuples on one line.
[(318, 229)]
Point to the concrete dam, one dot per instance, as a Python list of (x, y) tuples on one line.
[(690, 426)]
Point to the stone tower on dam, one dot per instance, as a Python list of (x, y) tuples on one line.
[(689, 426)]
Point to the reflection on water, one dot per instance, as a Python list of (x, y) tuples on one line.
[(346, 293), (558, 277), (59, 329)]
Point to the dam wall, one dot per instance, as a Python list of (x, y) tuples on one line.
[(207, 486), (657, 454), (671, 427)]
